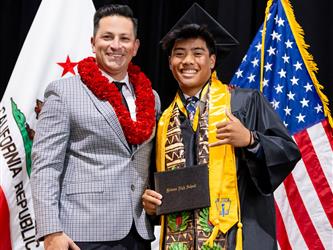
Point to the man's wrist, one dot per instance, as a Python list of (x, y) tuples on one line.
[(254, 140)]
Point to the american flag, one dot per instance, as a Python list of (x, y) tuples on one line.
[(279, 64)]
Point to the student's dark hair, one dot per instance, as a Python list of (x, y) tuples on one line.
[(189, 31), (114, 10)]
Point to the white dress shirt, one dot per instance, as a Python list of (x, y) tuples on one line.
[(128, 93)]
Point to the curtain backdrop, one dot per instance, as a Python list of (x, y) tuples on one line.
[(241, 18)]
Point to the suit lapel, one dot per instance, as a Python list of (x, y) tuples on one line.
[(109, 114)]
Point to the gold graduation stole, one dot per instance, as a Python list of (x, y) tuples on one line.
[(224, 211)]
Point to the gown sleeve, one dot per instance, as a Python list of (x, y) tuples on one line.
[(277, 154)]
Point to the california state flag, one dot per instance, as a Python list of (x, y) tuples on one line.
[(58, 38)]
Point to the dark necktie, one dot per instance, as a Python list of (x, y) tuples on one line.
[(120, 85), (191, 106)]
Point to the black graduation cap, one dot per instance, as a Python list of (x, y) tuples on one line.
[(197, 15)]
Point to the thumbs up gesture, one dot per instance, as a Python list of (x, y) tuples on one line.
[(232, 132)]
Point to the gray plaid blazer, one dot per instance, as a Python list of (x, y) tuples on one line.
[(86, 180)]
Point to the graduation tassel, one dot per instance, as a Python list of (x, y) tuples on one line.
[(239, 236)]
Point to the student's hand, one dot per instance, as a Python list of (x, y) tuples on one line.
[(59, 241), (150, 200), (232, 132)]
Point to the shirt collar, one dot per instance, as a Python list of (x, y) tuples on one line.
[(196, 95), (125, 80)]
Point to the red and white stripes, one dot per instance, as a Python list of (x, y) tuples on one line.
[(304, 202)]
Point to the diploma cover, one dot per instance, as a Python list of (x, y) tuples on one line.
[(183, 189)]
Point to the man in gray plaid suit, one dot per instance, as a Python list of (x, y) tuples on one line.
[(93, 143)]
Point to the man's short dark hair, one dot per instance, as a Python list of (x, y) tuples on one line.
[(189, 31), (115, 10)]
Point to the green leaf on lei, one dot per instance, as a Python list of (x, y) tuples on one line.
[(215, 247), (204, 220), (178, 246)]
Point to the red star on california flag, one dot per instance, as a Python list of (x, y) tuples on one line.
[(68, 66)]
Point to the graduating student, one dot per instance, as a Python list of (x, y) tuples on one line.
[(235, 131)]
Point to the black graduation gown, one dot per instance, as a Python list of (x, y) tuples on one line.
[(260, 173)]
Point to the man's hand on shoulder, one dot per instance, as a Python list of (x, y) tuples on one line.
[(59, 241)]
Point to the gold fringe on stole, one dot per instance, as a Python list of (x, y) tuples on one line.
[(308, 60)]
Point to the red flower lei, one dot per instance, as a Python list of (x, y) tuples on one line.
[(136, 132)]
